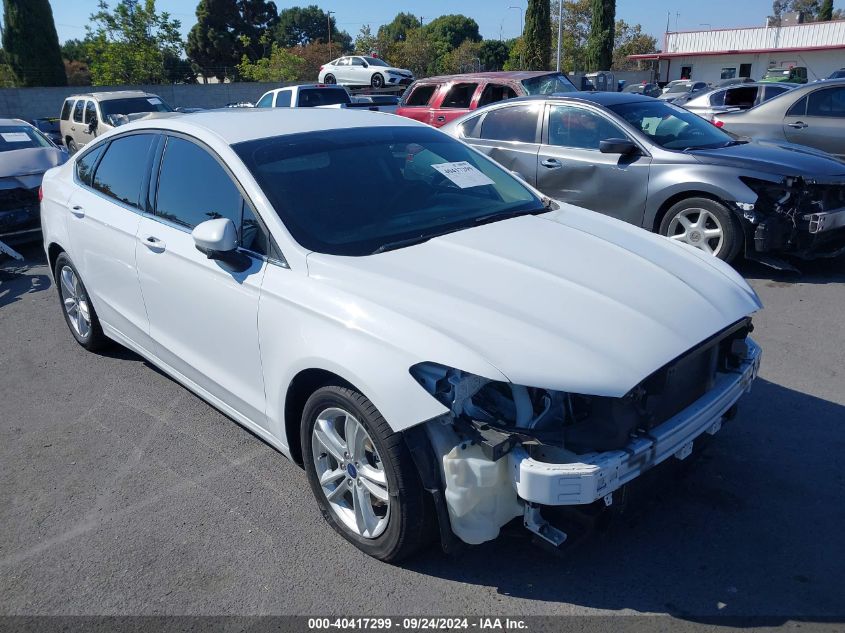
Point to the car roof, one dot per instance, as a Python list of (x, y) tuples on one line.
[(10, 121), (236, 125), (114, 94), (517, 75), (599, 98)]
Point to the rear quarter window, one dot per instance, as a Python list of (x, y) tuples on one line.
[(66, 110), (421, 95)]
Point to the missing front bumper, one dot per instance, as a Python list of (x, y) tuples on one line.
[(599, 474)]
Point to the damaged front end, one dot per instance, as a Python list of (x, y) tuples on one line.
[(506, 450), (798, 216)]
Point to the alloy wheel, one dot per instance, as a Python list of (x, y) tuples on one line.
[(700, 228), (75, 302), (351, 473)]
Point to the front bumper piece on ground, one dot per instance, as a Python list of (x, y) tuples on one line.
[(600, 474)]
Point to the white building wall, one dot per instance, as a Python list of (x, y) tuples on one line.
[(796, 36), (708, 68)]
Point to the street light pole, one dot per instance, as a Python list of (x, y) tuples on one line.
[(559, 30), (329, 21), (521, 29)]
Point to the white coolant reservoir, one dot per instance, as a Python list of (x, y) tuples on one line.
[(479, 494)]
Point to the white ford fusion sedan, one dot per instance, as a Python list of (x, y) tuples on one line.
[(441, 358)]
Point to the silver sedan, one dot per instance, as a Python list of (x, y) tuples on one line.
[(734, 98), (812, 115)]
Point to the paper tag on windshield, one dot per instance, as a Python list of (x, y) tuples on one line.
[(154, 101), (16, 137), (463, 174)]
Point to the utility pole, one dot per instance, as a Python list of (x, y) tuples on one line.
[(329, 22), (521, 29), (559, 30)]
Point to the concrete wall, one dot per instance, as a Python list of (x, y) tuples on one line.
[(31, 103)]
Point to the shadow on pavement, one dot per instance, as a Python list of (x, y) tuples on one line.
[(750, 528), (815, 271), (16, 278)]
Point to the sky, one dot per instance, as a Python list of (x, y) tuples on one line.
[(494, 17)]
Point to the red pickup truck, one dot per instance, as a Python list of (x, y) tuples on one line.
[(438, 100)]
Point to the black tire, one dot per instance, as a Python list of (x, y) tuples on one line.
[(93, 339), (732, 236), (377, 81), (409, 526), (72, 147), (329, 79)]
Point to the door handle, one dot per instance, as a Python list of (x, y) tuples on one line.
[(78, 211), (153, 243), (798, 125), (551, 163), (440, 119)]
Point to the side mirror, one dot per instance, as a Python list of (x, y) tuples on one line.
[(218, 239), (617, 146), (366, 65)]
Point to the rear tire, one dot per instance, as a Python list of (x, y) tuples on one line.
[(72, 147), (706, 224), (79, 313), (377, 81), (391, 522), (329, 79)]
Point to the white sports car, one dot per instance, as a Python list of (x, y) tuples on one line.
[(358, 70), (442, 357)]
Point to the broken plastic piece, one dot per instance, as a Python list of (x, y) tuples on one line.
[(534, 522)]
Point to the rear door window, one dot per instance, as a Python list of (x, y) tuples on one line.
[(123, 168), (459, 96), (495, 92), (421, 95), (516, 123), (78, 110), (829, 102), (90, 111)]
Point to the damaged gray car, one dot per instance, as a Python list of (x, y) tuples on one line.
[(668, 170), (25, 154)]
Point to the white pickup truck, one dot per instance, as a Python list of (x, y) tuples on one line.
[(310, 96)]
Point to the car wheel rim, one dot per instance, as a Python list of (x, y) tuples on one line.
[(351, 473), (75, 302), (699, 228), (330, 79), (377, 81)]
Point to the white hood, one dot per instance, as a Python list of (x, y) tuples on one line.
[(569, 300)]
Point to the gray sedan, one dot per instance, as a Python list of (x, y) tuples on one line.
[(813, 115), (734, 98), (667, 170)]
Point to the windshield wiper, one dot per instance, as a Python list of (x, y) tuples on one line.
[(408, 241), (548, 205)]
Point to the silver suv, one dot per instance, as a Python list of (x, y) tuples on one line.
[(86, 116)]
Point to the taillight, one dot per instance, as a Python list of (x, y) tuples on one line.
[(40, 194), (717, 123), (321, 67)]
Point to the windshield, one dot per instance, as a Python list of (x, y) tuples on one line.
[(637, 88), (671, 127), (312, 97), (678, 88), (430, 185), (14, 137), (133, 105), (776, 73), (375, 61), (548, 84), (47, 125)]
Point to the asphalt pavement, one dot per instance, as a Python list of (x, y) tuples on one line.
[(123, 493)]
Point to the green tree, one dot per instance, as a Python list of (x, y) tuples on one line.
[(129, 45), (826, 11), (397, 29), (365, 41), (493, 54), (452, 30), (576, 30), (630, 40), (216, 42), (600, 42), (31, 43), (813, 10), (463, 59), (516, 47), (301, 25), (281, 65), (417, 52), (537, 35), (75, 50)]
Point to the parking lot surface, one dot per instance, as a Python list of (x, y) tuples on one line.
[(123, 493)]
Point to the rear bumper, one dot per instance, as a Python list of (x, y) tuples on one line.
[(599, 474)]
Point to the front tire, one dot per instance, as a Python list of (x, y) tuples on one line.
[(706, 224), (362, 475), (79, 313), (377, 81)]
